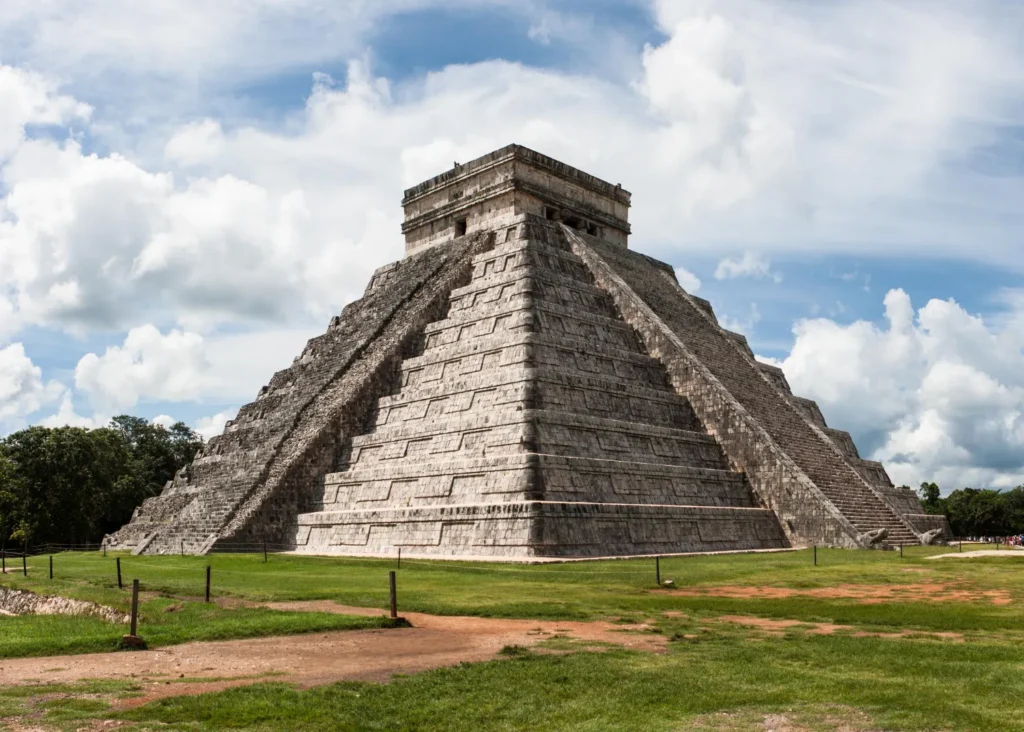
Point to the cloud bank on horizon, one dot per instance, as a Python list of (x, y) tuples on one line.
[(189, 191)]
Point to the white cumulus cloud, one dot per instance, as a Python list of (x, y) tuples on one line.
[(225, 220), (768, 127), (22, 389), (687, 280), (936, 394), (164, 420), (751, 264), (66, 416), (31, 98), (744, 325), (212, 426), (149, 366)]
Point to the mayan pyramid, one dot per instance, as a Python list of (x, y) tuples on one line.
[(522, 385)]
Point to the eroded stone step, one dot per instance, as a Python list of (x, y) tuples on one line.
[(537, 388), (515, 255), (558, 433), (542, 286), (514, 477), (526, 315), (539, 349)]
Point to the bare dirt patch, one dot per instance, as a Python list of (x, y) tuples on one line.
[(318, 658), (778, 627), (866, 594), (1008, 552), (15, 724), (807, 719)]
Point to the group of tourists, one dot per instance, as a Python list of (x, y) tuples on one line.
[(1016, 541)]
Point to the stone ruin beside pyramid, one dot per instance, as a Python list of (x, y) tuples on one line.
[(523, 386)]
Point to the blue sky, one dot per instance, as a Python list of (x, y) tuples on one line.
[(189, 191)]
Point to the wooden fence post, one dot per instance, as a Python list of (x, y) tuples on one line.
[(394, 594), (657, 571), (135, 607), (120, 586), (207, 582)]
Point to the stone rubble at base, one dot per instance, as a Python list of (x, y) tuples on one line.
[(522, 385), (26, 602)]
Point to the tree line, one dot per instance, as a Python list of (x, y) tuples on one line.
[(977, 511), (69, 485)]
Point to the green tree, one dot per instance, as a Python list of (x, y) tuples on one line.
[(68, 474), (12, 498), (931, 498), (1013, 507), (72, 485), (158, 452), (978, 512)]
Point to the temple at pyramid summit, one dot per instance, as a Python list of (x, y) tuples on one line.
[(523, 386)]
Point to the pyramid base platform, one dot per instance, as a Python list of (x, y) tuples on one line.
[(538, 529)]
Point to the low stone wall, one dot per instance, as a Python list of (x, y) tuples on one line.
[(23, 602), (925, 522)]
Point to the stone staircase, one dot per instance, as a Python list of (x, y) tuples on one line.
[(246, 484), (533, 396), (736, 370)]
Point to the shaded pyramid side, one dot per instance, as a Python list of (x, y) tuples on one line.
[(903, 501), (533, 425), (821, 490), (247, 482)]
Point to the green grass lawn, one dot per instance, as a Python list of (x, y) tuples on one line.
[(579, 591), (727, 677), (904, 684)]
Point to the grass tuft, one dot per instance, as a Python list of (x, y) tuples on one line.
[(514, 651)]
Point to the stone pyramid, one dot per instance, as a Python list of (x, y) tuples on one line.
[(523, 386)]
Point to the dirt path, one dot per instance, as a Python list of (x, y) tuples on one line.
[(319, 658), (777, 627), (1008, 552), (866, 594)]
